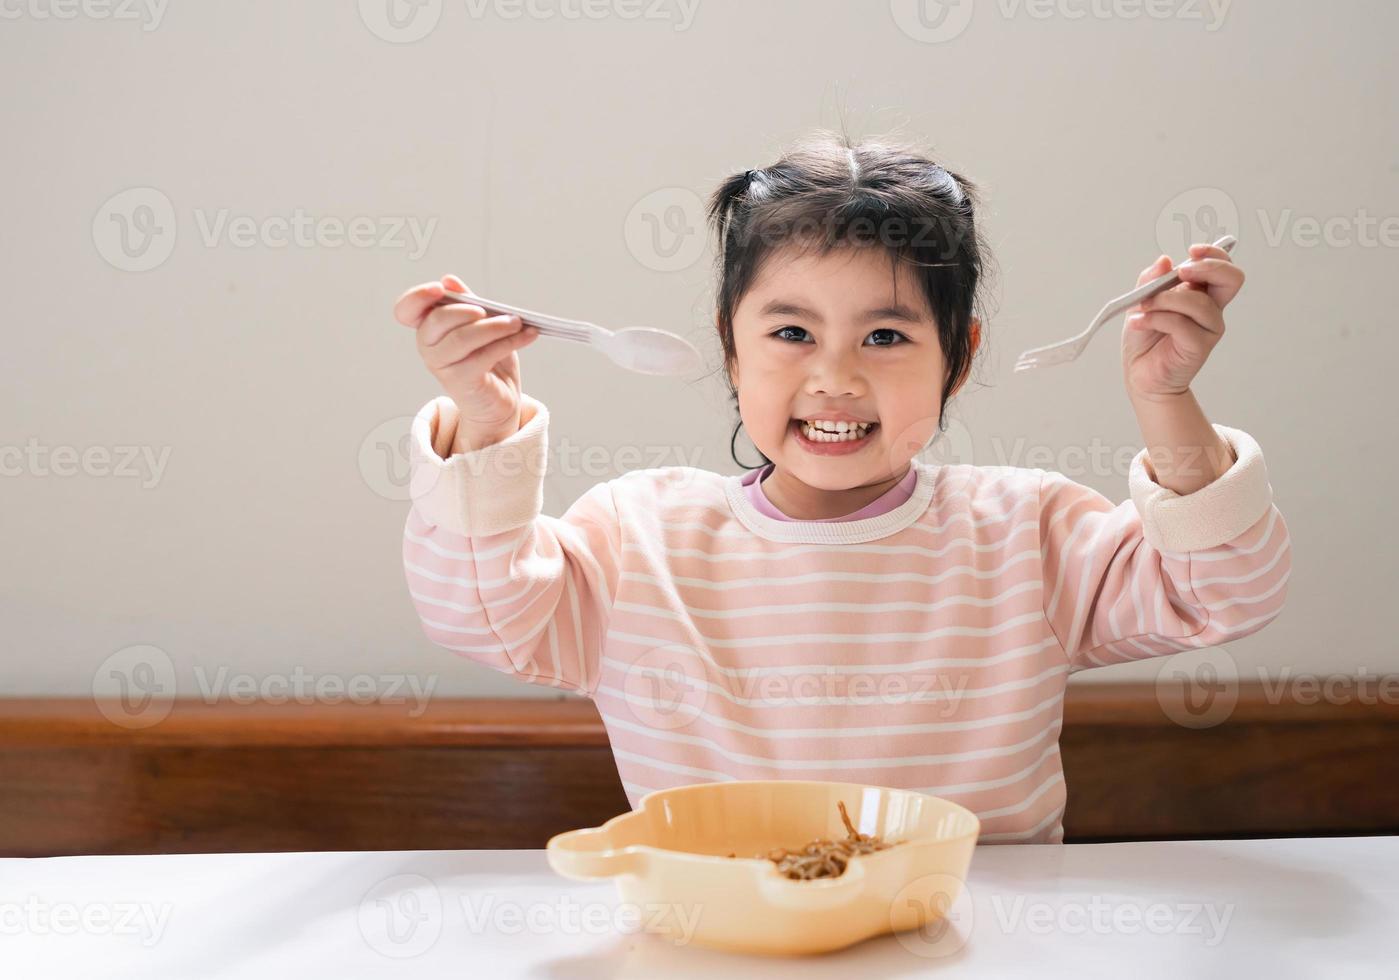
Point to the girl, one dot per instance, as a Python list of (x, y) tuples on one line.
[(846, 611)]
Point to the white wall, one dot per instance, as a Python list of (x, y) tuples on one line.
[(265, 547)]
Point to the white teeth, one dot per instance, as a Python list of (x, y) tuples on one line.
[(829, 426), (824, 431)]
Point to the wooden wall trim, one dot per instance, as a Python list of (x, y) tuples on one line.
[(574, 722), (1362, 699), (513, 772), (463, 722)]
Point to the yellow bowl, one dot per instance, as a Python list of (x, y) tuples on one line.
[(670, 860)]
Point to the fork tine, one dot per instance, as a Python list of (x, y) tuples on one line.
[(1059, 354), (1070, 349)]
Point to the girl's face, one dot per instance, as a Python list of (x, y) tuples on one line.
[(828, 335)]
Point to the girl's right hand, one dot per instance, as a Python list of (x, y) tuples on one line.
[(472, 356)]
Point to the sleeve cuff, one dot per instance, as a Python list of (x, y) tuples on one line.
[(1213, 515), (496, 488)]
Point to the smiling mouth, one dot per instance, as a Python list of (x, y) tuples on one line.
[(834, 434)]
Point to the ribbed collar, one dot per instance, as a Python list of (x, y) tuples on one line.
[(838, 532)]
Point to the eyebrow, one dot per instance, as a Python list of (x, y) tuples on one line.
[(896, 311)]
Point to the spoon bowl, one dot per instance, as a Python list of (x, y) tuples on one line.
[(648, 350)]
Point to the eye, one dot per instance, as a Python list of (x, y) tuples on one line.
[(895, 333), (779, 333)]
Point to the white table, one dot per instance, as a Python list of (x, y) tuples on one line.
[(1322, 907)]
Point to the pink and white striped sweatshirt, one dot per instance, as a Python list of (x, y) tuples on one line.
[(925, 648)]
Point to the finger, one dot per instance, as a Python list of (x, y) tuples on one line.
[(449, 316), (1201, 250), (482, 359), (1188, 337), (1220, 278), (1187, 334), (1160, 267), (1156, 270), (467, 340), (1198, 251), (451, 282), (409, 308), (1157, 323), (1205, 250), (1180, 327), (1197, 306), (462, 339)]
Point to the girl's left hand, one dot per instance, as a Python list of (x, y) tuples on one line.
[(1168, 337)]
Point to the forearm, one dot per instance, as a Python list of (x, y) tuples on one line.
[(1184, 450), (444, 432), (452, 439), (495, 579)]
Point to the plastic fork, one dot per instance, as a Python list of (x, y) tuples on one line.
[(1067, 350), (645, 350)]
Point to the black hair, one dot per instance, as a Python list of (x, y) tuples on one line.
[(826, 192)]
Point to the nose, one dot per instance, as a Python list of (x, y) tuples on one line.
[(836, 374)]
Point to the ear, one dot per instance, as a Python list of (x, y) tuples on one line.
[(976, 335)]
